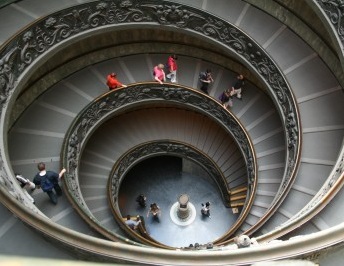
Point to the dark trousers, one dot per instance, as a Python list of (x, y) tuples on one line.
[(204, 88), (52, 195)]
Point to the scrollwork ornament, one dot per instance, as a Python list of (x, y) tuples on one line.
[(7, 75), (46, 33), (163, 147), (115, 187), (128, 11), (212, 28), (26, 52), (291, 131), (74, 20), (56, 30), (172, 14), (5, 181), (178, 94), (103, 15), (237, 42), (334, 11)]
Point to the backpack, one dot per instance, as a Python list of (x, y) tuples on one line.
[(46, 184), (202, 76)]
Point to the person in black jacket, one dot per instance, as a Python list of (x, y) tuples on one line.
[(141, 200), (205, 78), (206, 209), (237, 86), (48, 181)]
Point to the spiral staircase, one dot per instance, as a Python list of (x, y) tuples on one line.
[(281, 144)]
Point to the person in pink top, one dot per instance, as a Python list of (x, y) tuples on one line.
[(159, 74), (172, 64)]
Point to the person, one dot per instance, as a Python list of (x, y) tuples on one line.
[(226, 98), (132, 224), (237, 86), (243, 241), (172, 65), (154, 210), (205, 79), (49, 181), (206, 209), (159, 74), (112, 82), (26, 185), (210, 245), (141, 200)]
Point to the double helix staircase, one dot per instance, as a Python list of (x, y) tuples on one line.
[(39, 131)]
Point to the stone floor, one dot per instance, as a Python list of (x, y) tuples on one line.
[(161, 179)]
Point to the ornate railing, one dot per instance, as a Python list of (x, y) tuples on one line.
[(166, 147), (21, 53), (333, 184), (332, 11), (163, 147), (158, 148), (102, 108)]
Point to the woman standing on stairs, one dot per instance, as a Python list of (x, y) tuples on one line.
[(237, 86), (172, 65)]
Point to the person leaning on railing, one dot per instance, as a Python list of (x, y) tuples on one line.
[(113, 83), (131, 223), (48, 181), (159, 73)]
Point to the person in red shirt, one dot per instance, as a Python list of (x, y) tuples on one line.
[(113, 82), (172, 64)]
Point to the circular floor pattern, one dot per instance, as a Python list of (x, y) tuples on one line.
[(161, 179), (179, 221)]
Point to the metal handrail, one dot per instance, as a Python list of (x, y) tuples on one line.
[(111, 103)]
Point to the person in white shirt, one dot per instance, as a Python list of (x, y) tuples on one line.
[(132, 224), (26, 185)]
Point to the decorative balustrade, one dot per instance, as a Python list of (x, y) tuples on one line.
[(163, 147), (158, 148), (22, 52), (333, 184), (333, 11), (112, 103)]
